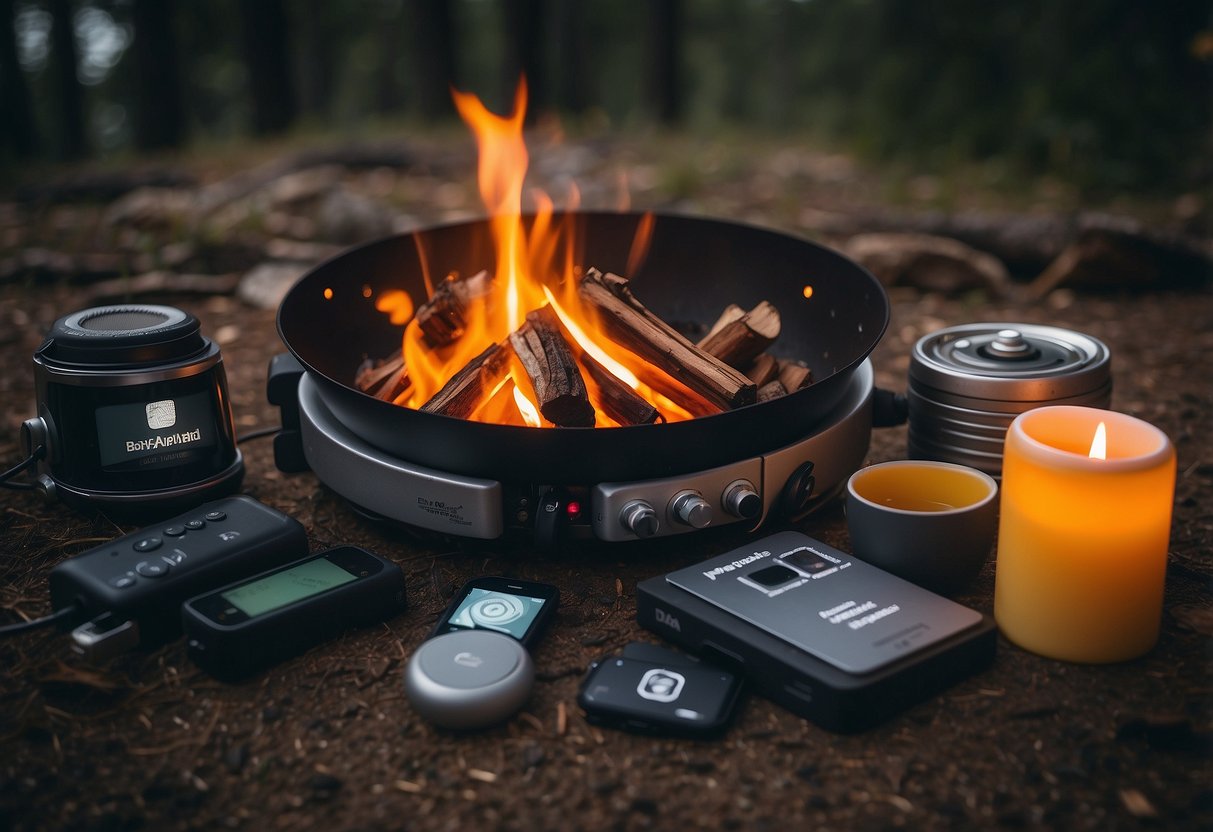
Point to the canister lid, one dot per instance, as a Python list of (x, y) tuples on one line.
[(122, 337), (1011, 362)]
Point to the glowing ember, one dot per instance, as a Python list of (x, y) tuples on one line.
[(396, 304), (1099, 444)]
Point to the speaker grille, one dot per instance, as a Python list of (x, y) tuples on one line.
[(124, 320)]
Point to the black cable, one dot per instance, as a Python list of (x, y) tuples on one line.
[(36, 623), (38, 453), (257, 434)]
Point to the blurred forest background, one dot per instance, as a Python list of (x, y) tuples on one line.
[(1103, 94)]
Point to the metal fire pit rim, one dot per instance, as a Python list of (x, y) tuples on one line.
[(799, 407)]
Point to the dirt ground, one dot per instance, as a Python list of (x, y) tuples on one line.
[(328, 740)]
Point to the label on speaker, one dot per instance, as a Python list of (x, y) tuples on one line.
[(155, 434)]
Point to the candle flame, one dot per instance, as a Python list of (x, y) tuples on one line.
[(1099, 445)]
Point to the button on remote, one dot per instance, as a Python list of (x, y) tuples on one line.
[(215, 516), (147, 544), (195, 525), (151, 568), (175, 531), (122, 582)]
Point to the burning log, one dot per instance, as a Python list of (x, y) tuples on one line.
[(676, 391), (387, 379), (742, 338), (633, 326), (441, 317), (468, 388), (549, 362), (764, 369), (617, 400)]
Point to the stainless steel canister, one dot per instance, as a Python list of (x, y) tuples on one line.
[(968, 383)]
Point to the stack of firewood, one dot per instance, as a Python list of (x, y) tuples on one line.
[(728, 368)]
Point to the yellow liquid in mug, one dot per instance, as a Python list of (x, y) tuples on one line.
[(920, 488)]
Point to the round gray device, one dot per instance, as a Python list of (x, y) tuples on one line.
[(469, 679)]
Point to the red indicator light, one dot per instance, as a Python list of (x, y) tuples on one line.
[(572, 508)]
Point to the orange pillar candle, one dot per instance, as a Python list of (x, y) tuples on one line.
[(1082, 541)]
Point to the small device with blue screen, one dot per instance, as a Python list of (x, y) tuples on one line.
[(244, 627), (521, 609)]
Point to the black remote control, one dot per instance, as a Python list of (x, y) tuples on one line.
[(131, 589)]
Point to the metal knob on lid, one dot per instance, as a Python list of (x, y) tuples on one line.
[(1010, 343), (967, 384)]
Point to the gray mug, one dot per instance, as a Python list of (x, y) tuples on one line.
[(931, 523)]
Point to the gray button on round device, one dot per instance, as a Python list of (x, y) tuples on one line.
[(469, 678)]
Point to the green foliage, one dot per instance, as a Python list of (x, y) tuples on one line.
[(1106, 94)]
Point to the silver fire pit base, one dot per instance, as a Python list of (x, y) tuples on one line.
[(788, 482)]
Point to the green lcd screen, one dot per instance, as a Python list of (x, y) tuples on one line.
[(275, 591)]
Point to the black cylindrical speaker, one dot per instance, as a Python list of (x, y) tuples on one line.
[(133, 412)]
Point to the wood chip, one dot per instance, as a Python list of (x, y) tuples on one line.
[(901, 803), (1138, 804)]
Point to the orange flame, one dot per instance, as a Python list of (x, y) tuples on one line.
[(1099, 443), (534, 265), (530, 413)]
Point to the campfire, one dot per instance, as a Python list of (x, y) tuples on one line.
[(545, 341)]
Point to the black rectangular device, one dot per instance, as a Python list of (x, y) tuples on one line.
[(145, 576), (521, 609), (239, 629), (653, 690), (831, 638)]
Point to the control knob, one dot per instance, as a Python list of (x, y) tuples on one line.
[(691, 508), (742, 500), (639, 518)]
